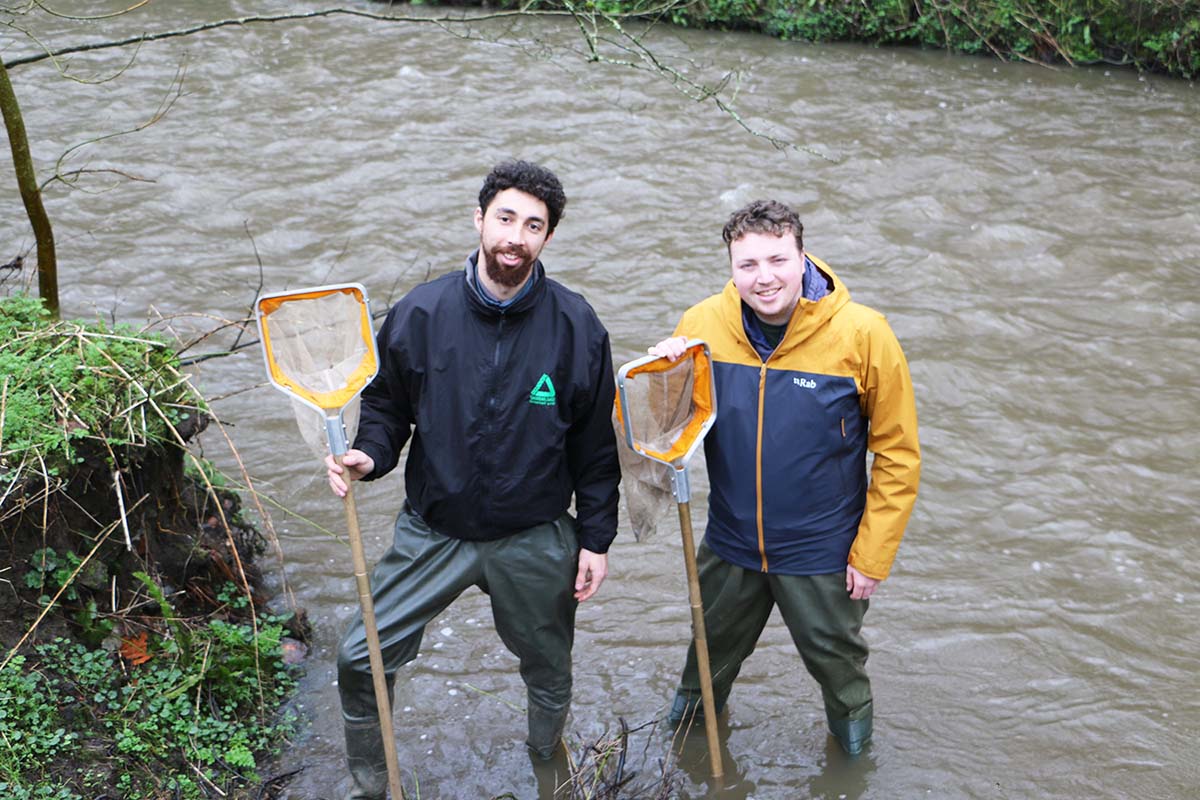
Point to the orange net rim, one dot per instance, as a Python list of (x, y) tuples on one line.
[(703, 404), (355, 382)]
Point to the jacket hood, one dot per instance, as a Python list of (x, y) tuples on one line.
[(807, 318)]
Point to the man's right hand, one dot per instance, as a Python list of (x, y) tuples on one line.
[(671, 349), (357, 464)]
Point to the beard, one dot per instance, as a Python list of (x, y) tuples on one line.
[(507, 276)]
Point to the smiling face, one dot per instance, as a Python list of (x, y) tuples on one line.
[(768, 273), (513, 229)]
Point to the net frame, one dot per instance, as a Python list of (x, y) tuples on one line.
[(330, 403), (702, 414)]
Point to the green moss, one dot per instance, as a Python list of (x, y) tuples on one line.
[(70, 391)]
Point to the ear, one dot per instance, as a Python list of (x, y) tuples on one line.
[(549, 236), (479, 219)]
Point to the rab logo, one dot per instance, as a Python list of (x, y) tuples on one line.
[(805, 383), (543, 392)]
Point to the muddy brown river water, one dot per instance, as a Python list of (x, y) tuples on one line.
[(1032, 234)]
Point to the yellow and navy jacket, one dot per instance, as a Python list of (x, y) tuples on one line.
[(787, 455)]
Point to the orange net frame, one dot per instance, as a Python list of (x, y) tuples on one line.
[(319, 349), (318, 343), (665, 407)]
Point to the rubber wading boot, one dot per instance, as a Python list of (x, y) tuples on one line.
[(688, 706), (545, 730), (852, 734), (365, 760)]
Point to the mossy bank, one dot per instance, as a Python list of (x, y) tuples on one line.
[(140, 659)]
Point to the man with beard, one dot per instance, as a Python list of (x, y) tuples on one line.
[(507, 378)]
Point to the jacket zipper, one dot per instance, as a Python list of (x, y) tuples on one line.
[(496, 362), (492, 399), (758, 468)]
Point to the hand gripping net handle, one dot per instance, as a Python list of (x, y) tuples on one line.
[(319, 348), (666, 407)]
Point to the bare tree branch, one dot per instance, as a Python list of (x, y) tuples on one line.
[(257, 290), (173, 93), (64, 176), (54, 13), (61, 66), (241, 21), (597, 30)]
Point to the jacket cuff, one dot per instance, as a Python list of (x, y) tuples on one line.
[(589, 540), (872, 568)]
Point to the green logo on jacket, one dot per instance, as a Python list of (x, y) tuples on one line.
[(543, 393)]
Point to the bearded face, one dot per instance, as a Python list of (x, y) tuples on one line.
[(512, 233), (507, 265)]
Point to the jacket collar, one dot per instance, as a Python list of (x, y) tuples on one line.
[(484, 304), (807, 318)]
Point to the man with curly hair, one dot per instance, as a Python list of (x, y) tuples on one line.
[(501, 381)]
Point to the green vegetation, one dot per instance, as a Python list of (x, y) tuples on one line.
[(138, 660), (1155, 35), (144, 722), (72, 391)]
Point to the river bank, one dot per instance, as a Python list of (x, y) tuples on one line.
[(141, 655), (1151, 35)]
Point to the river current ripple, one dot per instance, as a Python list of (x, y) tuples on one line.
[(1032, 235)]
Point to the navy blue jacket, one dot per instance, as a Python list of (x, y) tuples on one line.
[(787, 457), (509, 410)]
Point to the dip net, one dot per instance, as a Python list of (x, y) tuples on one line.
[(662, 412), (665, 408), (320, 351)]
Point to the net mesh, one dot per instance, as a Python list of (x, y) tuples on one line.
[(659, 406), (659, 402), (319, 350), (311, 424)]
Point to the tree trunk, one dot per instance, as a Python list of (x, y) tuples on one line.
[(30, 194)]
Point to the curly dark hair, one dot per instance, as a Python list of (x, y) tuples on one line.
[(764, 216), (530, 178)]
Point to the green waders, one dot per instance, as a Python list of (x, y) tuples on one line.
[(825, 625), (530, 578)]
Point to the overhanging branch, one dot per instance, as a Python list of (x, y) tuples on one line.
[(239, 21)]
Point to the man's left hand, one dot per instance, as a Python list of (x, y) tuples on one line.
[(858, 585), (593, 569)]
